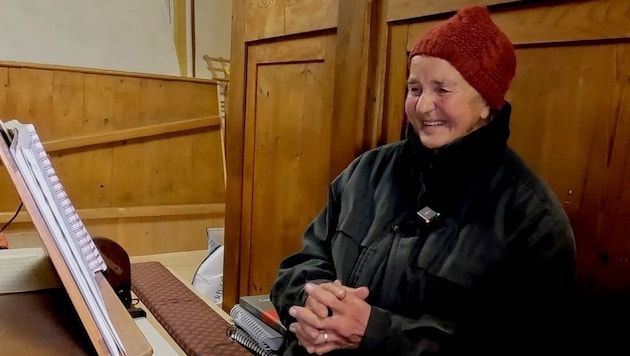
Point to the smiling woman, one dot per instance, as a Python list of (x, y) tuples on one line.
[(442, 111), (445, 243)]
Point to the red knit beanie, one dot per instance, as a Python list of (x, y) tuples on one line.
[(477, 48)]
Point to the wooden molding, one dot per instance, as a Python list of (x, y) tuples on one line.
[(212, 209), (213, 122), (53, 67)]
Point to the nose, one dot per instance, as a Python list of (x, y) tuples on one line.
[(425, 103)]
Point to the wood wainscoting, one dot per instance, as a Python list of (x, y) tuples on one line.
[(139, 155)]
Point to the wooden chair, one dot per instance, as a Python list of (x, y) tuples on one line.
[(219, 68)]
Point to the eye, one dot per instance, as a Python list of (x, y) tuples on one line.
[(442, 90), (414, 90)]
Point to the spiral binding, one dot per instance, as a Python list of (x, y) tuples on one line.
[(266, 337), (73, 221), (244, 339)]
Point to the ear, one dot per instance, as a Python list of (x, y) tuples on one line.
[(485, 109), (485, 112)]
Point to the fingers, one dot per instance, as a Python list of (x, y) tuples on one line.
[(330, 343), (335, 288), (321, 294), (306, 317), (316, 307), (341, 291), (362, 292), (323, 343), (306, 338), (344, 328)]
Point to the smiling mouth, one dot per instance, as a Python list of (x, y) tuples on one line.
[(433, 123)]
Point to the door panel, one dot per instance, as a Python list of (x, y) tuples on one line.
[(287, 151)]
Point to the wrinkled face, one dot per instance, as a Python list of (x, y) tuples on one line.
[(440, 105)]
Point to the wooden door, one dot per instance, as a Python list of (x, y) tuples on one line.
[(299, 113), (286, 153)]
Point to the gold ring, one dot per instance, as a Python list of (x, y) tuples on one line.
[(325, 336)]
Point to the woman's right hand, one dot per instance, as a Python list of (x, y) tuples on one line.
[(309, 335)]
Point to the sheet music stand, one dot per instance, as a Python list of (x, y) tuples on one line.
[(132, 338)]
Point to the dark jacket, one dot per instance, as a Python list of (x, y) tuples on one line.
[(493, 274)]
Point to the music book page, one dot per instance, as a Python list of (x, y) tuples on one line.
[(75, 243)]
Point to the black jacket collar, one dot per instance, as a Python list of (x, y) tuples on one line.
[(445, 178)]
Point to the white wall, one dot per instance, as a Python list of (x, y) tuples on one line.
[(213, 19), (126, 35)]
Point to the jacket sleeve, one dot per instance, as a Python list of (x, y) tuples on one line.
[(394, 334), (545, 292), (531, 305)]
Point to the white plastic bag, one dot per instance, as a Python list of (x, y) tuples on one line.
[(208, 278)]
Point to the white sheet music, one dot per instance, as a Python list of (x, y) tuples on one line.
[(75, 244)]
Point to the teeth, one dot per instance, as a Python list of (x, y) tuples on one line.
[(433, 123)]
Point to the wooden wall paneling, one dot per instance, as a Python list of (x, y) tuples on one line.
[(571, 146), (395, 84), (207, 168), (130, 97), (307, 15), (618, 191), (407, 9), (262, 19), (134, 158), (84, 116), (601, 218), (560, 22), (352, 68), (85, 175), (98, 104), (138, 236), (149, 131), (4, 84), (246, 204), (172, 101), (546, 79), (151, 235), (275, 18), (67, 104), (286, 153), (10, 197), (67, 119), (97, 117), (234, 141), (30, 97), (210, 210)]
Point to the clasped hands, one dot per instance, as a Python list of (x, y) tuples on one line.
[(317, 331)]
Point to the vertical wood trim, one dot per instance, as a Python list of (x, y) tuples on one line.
[(378, 62), (351, 70), (247, 171), (193, 39), (234, 146), (395, 84), (179, 30)]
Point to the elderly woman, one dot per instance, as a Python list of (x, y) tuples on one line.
[(446, 242)]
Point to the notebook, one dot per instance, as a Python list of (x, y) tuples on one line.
[(68, 231), (261, 307), (266, 337), (244, 339)]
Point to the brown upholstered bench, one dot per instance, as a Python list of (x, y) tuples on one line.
[(192, 323)]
